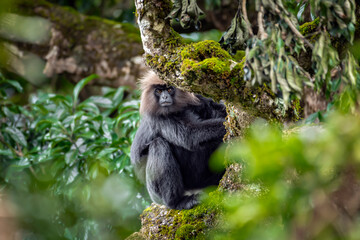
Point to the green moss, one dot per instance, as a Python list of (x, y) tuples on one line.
[(207, 61), (297, 110), (161, 63), (148, 209), (208, 66), (260, 96), (199, 62), (239, 55), (309, 27), (185, 232), (192, 223), (237, 74), (204, 49), (174, 40)]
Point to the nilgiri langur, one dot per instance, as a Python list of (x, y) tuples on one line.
[(178, 132)]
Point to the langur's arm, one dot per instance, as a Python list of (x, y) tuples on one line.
[(209, 109), (206, 130), (218, 110), (141, 142), (190, 136)]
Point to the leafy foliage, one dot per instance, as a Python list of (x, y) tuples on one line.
[(338, 15), (325, 58), (300, 182), (272, 55), (187, 12), (66, 163), (298, 185), (269, 61), (235, 37)]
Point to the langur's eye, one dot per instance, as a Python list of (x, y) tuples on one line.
[(158, 91), (170, 90)]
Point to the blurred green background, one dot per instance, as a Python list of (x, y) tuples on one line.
[(65, 171), (64, 163)]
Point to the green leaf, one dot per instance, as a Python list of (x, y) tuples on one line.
[(6, 152), (103, 153), (251, 53), (312, 118), (118, 95), (335, 85), (102, 101), (47, 123), (13, 171), (122, 161), (14, 84), (279, 44), (70, 156), (351, 27), (16, 135), (66, 101), (89, 106), (94, 170), (80, 85)]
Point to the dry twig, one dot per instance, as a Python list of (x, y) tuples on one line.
[(246, 17), (262, 34)]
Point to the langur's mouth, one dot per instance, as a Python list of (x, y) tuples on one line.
[(166, 104)]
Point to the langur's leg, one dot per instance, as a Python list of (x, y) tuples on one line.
[(163, 177)]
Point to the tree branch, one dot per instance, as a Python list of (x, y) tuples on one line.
[(244, 11), (80, 45), (295, 31), (262, 34)]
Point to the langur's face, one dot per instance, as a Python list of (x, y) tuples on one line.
[(165, 95)]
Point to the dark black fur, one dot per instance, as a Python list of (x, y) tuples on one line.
[(171, 151)]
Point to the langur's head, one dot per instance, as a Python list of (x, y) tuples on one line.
[(158, 98)]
